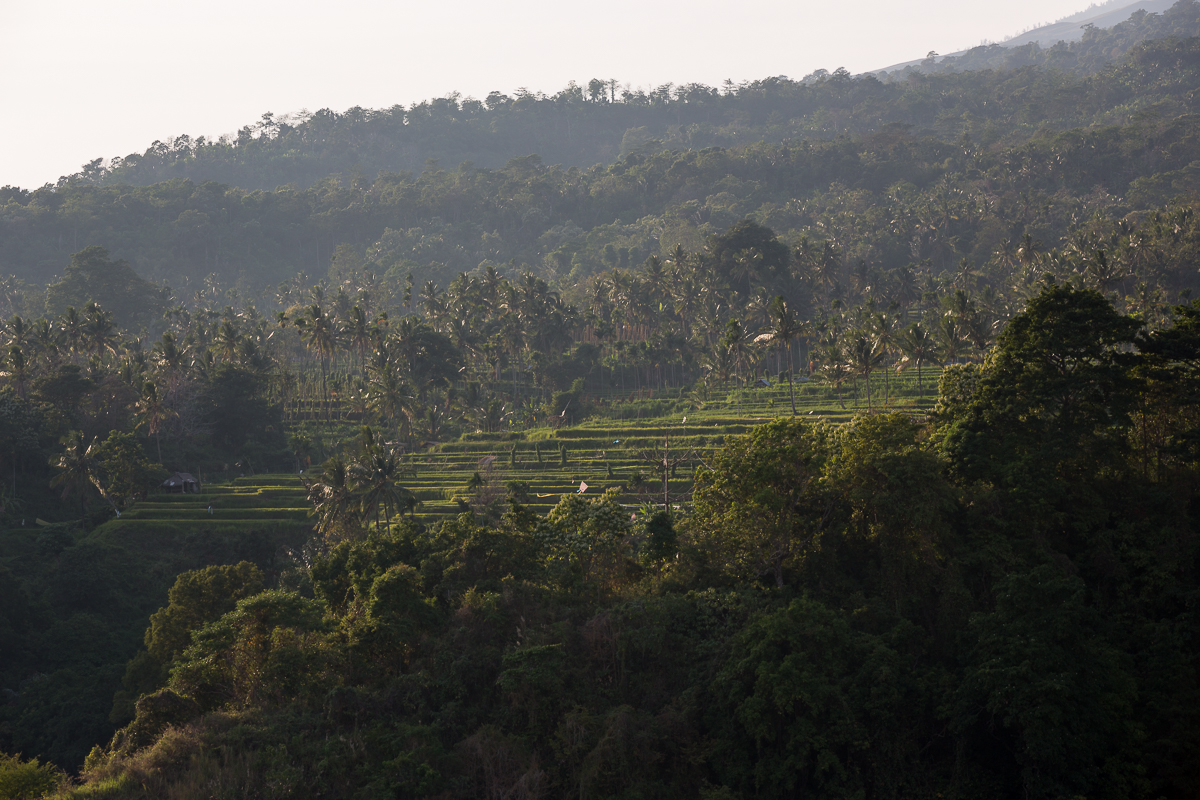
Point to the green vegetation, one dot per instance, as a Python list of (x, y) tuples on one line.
[(24, 780), (1064, 86), (1097, 48), (841, 465), (965, 607)]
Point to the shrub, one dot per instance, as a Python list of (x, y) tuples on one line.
[(26, 780)]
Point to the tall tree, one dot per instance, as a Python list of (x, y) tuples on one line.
[(785, 329)]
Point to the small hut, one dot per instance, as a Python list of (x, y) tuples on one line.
[(181, 483)]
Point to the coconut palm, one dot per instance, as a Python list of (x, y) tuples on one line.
[(375, 472), (388, 395), (864, 355), (358, 334), (736, 343), (331, 494), (48, 341), (171, 360), (79, 470), (72, 325), (152, 413), (17, 331), (98, 331), (18, 369), (321, 335), (833, 370), (919, 347), (784, 329), (952, 336), (885, 329), (227, 340)]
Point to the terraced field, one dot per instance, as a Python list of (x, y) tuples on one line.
[(611, 451), (263, 502)]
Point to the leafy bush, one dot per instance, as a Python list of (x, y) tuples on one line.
[(26, 780)]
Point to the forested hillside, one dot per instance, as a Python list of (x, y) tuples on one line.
[(995, 604), (834, 438), (1088, 51), (1081, 83), (942, 199)]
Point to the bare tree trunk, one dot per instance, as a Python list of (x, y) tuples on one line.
[(791, 379)]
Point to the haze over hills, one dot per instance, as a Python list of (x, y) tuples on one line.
[(602, 120), (1069, 29), (434, 188)]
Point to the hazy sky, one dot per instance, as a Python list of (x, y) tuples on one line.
[(84, 79)]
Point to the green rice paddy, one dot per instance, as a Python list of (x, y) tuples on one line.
[(612, 449)]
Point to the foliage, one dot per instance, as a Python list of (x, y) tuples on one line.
[(274, 648), (1058, 387), (91, 277), (582, 125), (586, 538), (812, 706), (27, 780), (761, 507), (992, 600), (127, 472)]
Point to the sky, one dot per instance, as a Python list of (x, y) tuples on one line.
[(81, 79)]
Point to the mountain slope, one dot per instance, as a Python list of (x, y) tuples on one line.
[(598, 123)]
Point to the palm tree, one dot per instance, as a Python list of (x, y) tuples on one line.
[(434, 303), (170, 359), (227, 339), (489, 414), (827, 267), (884, 329), (512, 333), (833, 369), (918, 346), (153, 412), (358, 334), (388, 396), (332, 494), (18, 331), (19, 369), (376, 471), (98, 330), (734, 342), (953, 337), (435, 415), (865, 355), (72, 325), (1029, 250), (79, 469), (322, 337), (746, 267), (48, 340), (784, 329)]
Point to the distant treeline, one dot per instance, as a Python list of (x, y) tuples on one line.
[(896, 195), (597, 122), (1098, 47)]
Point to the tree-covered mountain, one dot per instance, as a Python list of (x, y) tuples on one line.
[(596, 123), (1106, 31), (1134, 151)]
